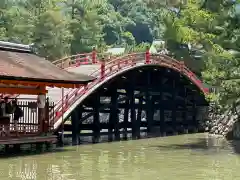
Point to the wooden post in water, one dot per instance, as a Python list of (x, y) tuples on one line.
[(184, 112), (96, 119), (80, 115), (161, 108), (194, 115), (149, 105), (75, 126), (173, 105), (125, 120), (110, 125), (139, 117), (114, 114), (133, 112)]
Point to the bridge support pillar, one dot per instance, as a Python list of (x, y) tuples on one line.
[(114, 118), (132, 111), (125, 120), (161, 109), (139, 118), (75, 127), (174, 106), (80, 115), (149, 108), (96, 120), (184, 112), (194, 115), (110, 128), (149, 112)]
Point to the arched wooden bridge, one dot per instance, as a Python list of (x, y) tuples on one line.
[(150, 89)]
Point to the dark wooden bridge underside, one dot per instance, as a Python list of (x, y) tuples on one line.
[(150, 96)]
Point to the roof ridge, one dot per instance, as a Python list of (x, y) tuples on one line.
[(15, 47)]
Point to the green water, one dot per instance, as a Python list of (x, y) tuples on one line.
[(185, 157)]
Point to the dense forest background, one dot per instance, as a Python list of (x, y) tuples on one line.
[(206, 33)]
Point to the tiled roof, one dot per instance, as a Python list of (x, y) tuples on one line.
[(28, 66)]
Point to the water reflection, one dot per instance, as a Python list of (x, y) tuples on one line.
[(183, 157)]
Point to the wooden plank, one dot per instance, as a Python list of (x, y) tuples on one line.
[(28, 140)]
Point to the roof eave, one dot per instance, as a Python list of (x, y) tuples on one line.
[(47, 80)]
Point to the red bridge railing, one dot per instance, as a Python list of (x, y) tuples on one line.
[(82, 59), (109, 68)]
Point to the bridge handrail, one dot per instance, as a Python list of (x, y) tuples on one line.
[(132, 58), (73, 92), (81, 58), (189, 73), (78, 57)]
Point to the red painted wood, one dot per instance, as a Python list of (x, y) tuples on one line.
[(147, 56), (115, 65)]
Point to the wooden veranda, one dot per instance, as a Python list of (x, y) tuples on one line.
[(23, 72)]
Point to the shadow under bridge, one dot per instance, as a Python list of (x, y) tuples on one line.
[(158, 99)]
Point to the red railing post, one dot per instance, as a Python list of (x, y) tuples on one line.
[(94, 56), (147, 55), (102, 68)]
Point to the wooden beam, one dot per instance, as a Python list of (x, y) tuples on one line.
[(33, 83), (9, 90)]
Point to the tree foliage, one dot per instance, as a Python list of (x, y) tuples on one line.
[(62, 27), (203, 33)]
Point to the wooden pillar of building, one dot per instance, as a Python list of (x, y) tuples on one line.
[(47, 125), (139, 117), (96, 119), (125, 119), (41, 104)]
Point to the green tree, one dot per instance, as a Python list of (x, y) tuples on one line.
[(51, 35), (208, 29), (85, 25)]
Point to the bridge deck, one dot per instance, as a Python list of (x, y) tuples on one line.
[(85, 69), (55, 94)]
